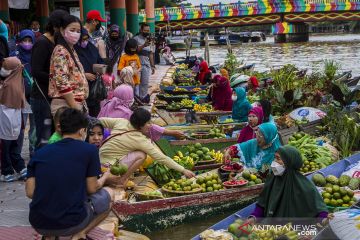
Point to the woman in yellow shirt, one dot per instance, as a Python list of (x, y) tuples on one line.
[(130, 58)]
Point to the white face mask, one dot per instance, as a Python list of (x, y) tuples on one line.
[(4, 72), (277, 168), (234, 98)]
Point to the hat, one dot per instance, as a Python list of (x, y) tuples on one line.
[(95, 15)]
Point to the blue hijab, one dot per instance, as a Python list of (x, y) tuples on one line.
[(241, 106), (4, 31), (254, 156)]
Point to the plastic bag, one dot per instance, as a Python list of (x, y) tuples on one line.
[(98, 92)]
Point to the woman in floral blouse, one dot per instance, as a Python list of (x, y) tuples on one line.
[(68, 85)]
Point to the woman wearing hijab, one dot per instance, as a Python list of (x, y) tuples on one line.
[(221, 94), (224, 73), (287, 193), (89, 55), (168, 56), (241, 105), (255, 118), (119, 107), (253, 84), (205, 73), (257, 153)]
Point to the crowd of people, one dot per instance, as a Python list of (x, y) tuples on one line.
[(76, 87)]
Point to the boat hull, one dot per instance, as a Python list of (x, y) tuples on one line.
[(147, 216)]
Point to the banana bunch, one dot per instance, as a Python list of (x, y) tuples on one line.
[(185, 161), (203, 108), (182, 66), (218, 156), (284, 231)]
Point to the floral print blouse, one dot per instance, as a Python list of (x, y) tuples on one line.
[(66, 76)]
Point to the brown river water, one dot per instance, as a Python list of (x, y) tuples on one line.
[(343, 48)]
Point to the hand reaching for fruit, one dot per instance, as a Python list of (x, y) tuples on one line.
[(188, 173), (227, 157)]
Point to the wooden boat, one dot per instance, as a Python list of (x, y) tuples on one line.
[(153, 215), (335, 169)]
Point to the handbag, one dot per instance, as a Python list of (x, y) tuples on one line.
[(98, 91)]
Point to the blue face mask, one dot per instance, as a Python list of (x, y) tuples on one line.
[(4, 31)]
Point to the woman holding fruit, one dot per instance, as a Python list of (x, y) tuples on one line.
[(256, 153), (282, 190), (255, 118)]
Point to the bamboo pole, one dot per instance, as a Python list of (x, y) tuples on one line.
[(207, 51)]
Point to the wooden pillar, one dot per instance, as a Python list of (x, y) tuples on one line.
[(150, 14), (132, 16), (44, 13), (4, 10), (118, 14)]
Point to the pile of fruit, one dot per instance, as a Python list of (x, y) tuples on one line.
[(153, 194), (241, 231), (343, 181), (162, 173), (228, 120), (177, 89), (174, 106), (232, 167), (216, 133), (203, 108), (118, 169), (182, 66), (235, 183), (251, 177), (285, 122), (210, 183), (314, 156), (184, 76), (199, 153), (284, 232), (202, 92), (335, 193), (185, 161), (181, 185), (187, 103), (196, 89), (177, 96)]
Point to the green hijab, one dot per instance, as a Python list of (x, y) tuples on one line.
[(241, 106), (291, 195), (254, 156)]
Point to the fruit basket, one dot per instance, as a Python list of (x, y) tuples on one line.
[(235, 183), (230, 168), (180, 193)]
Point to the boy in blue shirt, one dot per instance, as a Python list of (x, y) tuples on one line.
[(76, 203)]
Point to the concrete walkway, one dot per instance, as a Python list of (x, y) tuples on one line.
[(14, 205)]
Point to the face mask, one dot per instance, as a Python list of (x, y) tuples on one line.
[(234, 98), (71, 37), (84, 44), (277, 168), (35, 30), (4, 72), (26, 45), (114, 37), (145, 34)]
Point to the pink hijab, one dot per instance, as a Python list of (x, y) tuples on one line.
[(119, 105), (248, 132)]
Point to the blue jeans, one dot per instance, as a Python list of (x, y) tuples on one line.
[(42, 117), (11, 155)]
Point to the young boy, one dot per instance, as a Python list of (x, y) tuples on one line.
[(57, 136)]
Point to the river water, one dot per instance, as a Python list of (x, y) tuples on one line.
[(344, 48)]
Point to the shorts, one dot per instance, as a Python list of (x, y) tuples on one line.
[(95, 205)]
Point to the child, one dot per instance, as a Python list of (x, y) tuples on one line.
[(57, 134), (130, 58)]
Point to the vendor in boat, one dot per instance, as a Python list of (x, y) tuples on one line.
[(129, 143), (205, 73), (224, 73), (95, 132), (256, 153), (255, 118), (287, 193), (119, 107), (241, 106), (253, 84), (267, 108), (221, 94)]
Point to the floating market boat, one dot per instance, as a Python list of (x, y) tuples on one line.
[(335, 169), (158, 214)]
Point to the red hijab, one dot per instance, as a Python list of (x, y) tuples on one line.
[(204, 69), (221, 94), (254, 83), (248, 133)]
